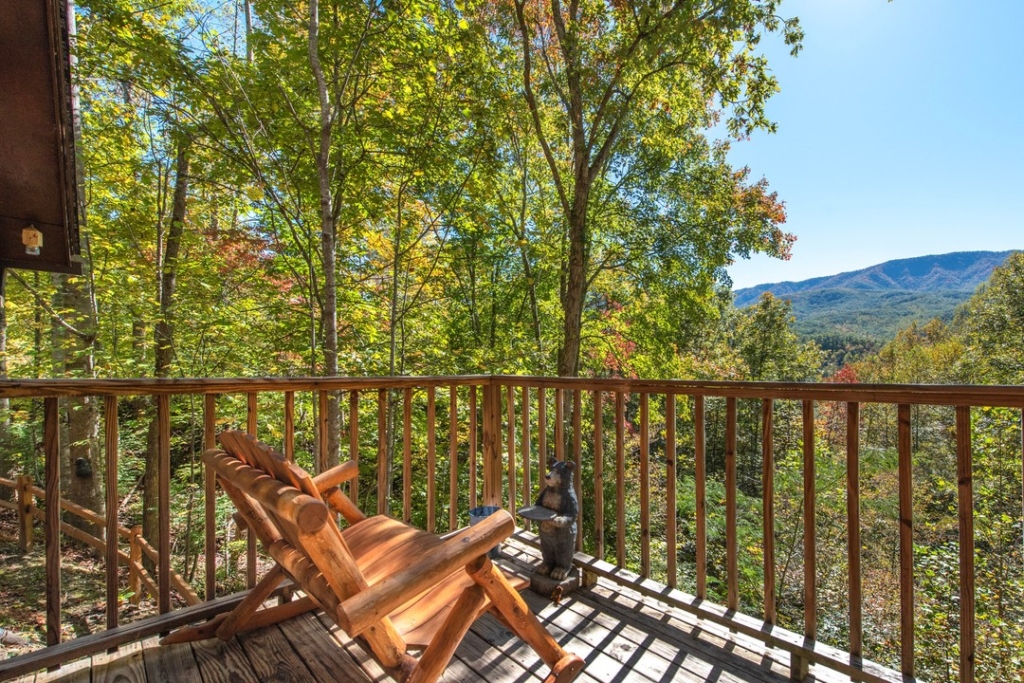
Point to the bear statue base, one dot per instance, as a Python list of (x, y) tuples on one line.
[(553, 589)]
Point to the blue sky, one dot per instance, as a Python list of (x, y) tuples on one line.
[(901, 134)]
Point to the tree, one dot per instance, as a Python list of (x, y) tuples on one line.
[(619, 93)]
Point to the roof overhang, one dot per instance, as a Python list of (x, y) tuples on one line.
[(38, 168)]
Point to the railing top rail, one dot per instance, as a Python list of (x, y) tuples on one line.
[(921, 394)]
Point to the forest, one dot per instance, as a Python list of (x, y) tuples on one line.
[(404, 187)]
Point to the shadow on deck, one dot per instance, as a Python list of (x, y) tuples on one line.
[(622, 635)]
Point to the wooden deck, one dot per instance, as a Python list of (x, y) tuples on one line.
[(622, 635)]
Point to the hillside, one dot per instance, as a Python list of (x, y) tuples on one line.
[(874, 303)]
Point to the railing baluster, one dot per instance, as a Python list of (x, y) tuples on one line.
[(353, 442), (407, 456), (559, 424), (110, 429), (431, 460), (252, 426), (542, 432), (810, 528), (251, 423), (163, 404), (323, 398), (599, 474), (620, 479), (731, 553), (210, 495), (524, 400), (492, 444), (645, 487), (289, 426), (383, 480), (906, 495), (853, 526), (700, 493), (965, 514), (453, 458), (670, 488), (472, 447), (768, 505), (51, 522), (577, 458), (510, 400)]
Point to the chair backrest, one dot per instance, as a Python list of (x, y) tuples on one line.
[(293, 522)]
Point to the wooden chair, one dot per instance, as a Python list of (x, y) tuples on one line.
[(395, 586)]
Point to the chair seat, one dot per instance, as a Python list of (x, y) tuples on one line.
[(381, 546)]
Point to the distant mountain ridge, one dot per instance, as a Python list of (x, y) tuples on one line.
[(874, 303), (960, 271)]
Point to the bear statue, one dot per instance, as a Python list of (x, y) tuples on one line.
[(558, 534)]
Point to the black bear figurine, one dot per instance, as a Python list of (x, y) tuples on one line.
[(558, 534)]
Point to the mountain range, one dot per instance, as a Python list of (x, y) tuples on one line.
[(874, 303)]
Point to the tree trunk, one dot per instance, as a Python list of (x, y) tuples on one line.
[(164, 332), (329, 312)]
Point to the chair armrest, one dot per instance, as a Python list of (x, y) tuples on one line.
[(369, 606), (328, 479)]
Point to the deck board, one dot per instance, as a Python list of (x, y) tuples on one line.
[(622, 636)]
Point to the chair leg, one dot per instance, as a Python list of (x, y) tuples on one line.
[(523, 621), (235, 621), (435, 658)]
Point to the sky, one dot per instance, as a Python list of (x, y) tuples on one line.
[(900, 134)]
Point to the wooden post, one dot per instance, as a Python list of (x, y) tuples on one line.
[(965, 514), (511, 407), (559, 424), (645, 487), (323, 426), (383, 480), (135, 565), (620, 477), (289, 426), (407, 456), (431, 459), (810, 527), (577, 457), (164, 502), (453, 458), (353, 443), (210, 495), (598, 474), (906, 495), (670, 487), (472, 447), (525, 446), (492, 445), (111, 435), (26, 513), (853, 526), (731, 542), (700, 493), (51, 522), (768, 505)]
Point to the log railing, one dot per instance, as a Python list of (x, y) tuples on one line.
[(631, 440)]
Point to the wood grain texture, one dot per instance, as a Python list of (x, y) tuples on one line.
[(110, 432), (645, 486), (700, 493), (273, 658), (620, 479), (670, 490), (598, 473), (453, 458), (223, 662), (768, 505), (210, 498), (171, 664), (431, 461), (353, 443), (731, 540), (383, 470), (906, 497), (407, 455), (524, 444), (965, 516), (51, 525), (473, 453), (510, 439), (124, 666), (163, 416), (810, 525), (853, 542)]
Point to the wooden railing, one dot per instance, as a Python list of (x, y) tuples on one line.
[(500, 432)]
